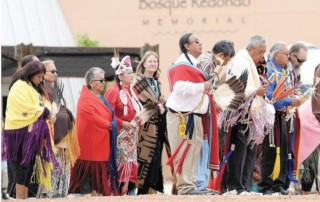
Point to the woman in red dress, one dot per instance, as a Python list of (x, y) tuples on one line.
[(95, 171), (125, 103)]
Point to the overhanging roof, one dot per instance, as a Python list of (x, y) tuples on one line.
[(70, 61)]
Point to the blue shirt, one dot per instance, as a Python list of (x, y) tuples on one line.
[(285, 102)]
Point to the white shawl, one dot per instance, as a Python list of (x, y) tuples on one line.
[(261, 112)]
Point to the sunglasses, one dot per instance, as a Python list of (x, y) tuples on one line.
[(299, 60), (101, 80)]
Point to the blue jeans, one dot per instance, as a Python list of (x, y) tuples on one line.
[(202, 173)]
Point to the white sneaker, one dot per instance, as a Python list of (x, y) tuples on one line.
[(244, 193), (74, 195), (230, 193), (256, 193)]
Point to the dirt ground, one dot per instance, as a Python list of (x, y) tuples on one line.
[(169, 198)]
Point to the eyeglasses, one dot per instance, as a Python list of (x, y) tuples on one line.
[(299, 60), (284, 53), (53, 71), (101, 80), (195, 41)]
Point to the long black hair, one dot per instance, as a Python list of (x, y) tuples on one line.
[(183, 40), (27, 72)]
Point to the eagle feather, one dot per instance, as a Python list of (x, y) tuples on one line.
[(230, 94)]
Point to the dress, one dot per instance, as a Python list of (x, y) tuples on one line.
[(152, 137), (66, 144), (95, 126), (127, 144), (26, 134)]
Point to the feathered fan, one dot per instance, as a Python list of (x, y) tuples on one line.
[(56, 102), (230, 95), (310, 89), (141, 117), (282, 90)]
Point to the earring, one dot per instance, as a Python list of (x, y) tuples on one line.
[(120, 83)]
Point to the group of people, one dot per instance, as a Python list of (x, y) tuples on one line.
[(120, 149), (39, 139), (275, 115), (114, 145)]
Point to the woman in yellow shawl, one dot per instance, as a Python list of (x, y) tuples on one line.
[(26, 132)]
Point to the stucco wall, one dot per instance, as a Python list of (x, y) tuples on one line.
[(135, 22), (131, 23)]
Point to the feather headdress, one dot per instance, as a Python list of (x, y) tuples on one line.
[(123, 66), (115, 60)]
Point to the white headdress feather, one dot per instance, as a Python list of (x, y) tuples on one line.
[(115, 60)]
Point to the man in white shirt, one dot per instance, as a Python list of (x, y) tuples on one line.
[(186, 105)]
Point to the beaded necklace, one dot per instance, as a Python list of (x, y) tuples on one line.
[(134, 100), (154, 86)]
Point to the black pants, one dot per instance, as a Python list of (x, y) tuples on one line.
[(269, 155), (310, 171), (18, 174), (241, 161), (222, 142)]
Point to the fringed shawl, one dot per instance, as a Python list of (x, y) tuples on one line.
[(23, 106), (34, 140), (64, 130), (152, 136), (254, 106), (97, 142), (315, 100), (93, 125), (63, 123), (26, 126), (187, 72)]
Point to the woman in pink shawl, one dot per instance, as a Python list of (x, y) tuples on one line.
[(310, 135)]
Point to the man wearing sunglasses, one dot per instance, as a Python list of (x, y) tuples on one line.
[(297, 56)]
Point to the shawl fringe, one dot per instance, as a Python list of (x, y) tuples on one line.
[(99, 177), (260, 126), (73, 148), (34, 139)]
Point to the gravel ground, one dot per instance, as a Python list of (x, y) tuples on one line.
[(169, 198)]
